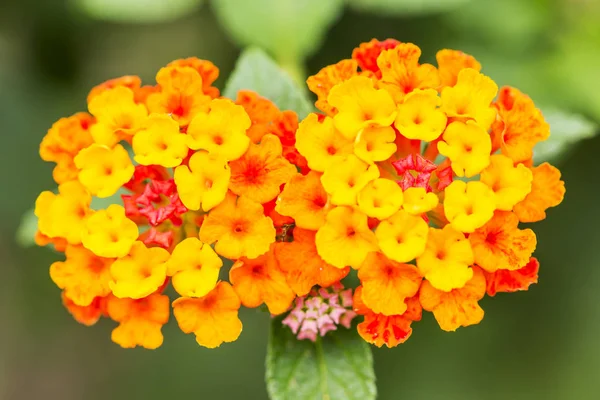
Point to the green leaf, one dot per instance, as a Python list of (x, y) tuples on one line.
[(25, 236), (338, 366), (288, 29), (137, 11), (256, 71), (405, 7), (565, 131)]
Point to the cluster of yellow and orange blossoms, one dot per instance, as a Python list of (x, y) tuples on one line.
[(416, 176)]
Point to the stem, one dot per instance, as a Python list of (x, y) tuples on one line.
[(322, 367)]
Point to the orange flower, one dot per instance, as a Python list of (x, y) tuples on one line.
[(500, 244), (451, 62), (458, 307), (85, 315), (83, 276), (129, 81), (304, 199), (387, 284), (207, 70), (345, 239), (64, 140), (322, 83), (504, 280), (302, 265), (367, 53), (401, 72), (547, 190), (522, 125), (212, 318), (260, 172), (261, 111), (180, 94), (140, 321), (260, 280), (239, 227), (379, 329)]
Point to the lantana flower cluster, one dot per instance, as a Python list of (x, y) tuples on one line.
[(193, 179), (428, 174), (416, 176)]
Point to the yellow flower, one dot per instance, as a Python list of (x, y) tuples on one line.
[(380, 199), (346, 178), (103, 170), (321, 143), (471, 97), (194, 267), (160, 143), (63, 215), (345, 239), (139, 273), (468, 146), (221, 131), (109, 233), (402, 237), (417, 201), (375, 144), (419, 117), (360, 105), (203, 181), (117, 115), (469, 205), (446, 261), (510, 183)]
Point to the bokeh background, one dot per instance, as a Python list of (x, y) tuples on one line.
[(540, 344)]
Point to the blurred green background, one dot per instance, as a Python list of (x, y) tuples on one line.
[(540, 344)]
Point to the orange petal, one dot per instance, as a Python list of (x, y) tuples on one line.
[(260, 280), (512, 281), (321, 83), (500, 244), (522, 125), (366, 54), (547, 190), (387, 284), (379, 329), (450, 62), (302, 265), (458, 307), (212, 318)]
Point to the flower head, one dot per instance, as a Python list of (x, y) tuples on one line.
[(415, 175)]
